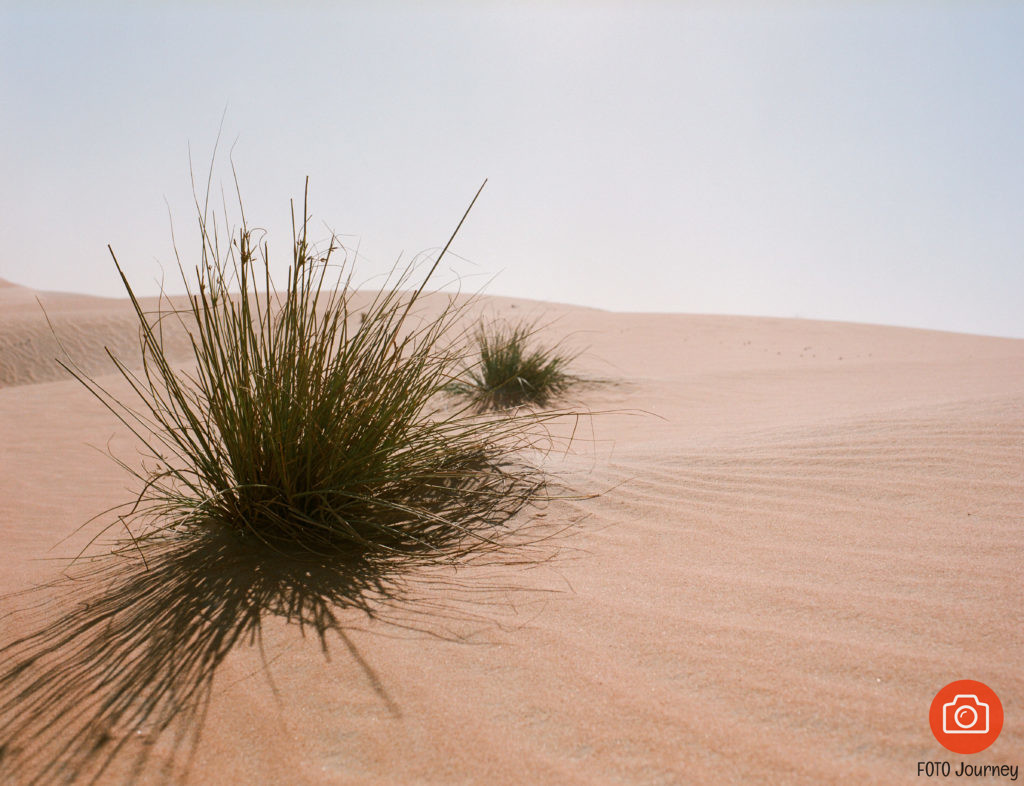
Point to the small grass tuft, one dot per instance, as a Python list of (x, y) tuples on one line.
[(512, 369)]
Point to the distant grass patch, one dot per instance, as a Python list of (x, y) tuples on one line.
[(513, 368), (311, 426)]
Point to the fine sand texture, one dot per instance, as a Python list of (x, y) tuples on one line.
[(801, 531)]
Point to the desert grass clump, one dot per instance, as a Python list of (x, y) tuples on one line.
[(512, 368), (305, 424)]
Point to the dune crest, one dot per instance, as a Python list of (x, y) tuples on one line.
[(85, 326)]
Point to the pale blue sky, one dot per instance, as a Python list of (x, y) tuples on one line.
[(858, 161)]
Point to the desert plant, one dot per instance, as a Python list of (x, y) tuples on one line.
[(512, 368), (307, 426), (305, 464)]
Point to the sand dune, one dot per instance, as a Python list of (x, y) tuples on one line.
[(37, 328), (804, 530)]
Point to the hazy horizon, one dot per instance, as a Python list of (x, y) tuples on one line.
[(851, 162)]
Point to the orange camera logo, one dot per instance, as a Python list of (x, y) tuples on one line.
[(966, 716)]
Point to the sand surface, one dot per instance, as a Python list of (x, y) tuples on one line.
[(803, 531)]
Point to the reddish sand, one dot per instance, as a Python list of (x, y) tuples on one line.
[(804, 530)]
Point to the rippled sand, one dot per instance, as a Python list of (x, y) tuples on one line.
[(803, 530)]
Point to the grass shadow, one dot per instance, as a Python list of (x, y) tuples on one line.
[(132, 655)]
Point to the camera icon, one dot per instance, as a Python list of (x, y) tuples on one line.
[(966, 714)]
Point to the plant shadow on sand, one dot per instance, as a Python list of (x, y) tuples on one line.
[(133, 656)]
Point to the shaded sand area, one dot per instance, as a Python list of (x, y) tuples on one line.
[(815, 527)]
